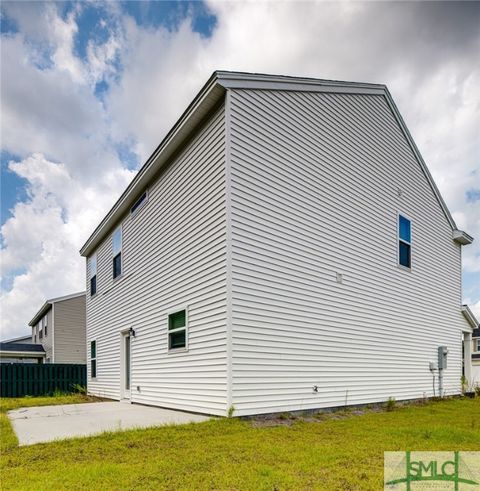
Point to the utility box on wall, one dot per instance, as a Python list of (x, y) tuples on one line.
[(442, 357)]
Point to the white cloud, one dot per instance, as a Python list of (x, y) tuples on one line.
[(392, 44), (67, 138), (45, 233), (474, 307)]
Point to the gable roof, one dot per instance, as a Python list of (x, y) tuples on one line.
[(48, 305), (211, 94), (21, 348), (18, 340)]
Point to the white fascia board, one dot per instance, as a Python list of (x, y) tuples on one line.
[(236, 80)]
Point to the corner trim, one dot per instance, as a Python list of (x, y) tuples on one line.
[(228, 252)]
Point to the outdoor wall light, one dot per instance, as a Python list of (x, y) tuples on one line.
[(132, 332)]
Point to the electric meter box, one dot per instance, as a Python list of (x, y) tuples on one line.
[(442, 357)]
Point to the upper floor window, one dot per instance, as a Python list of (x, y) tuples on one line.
[(93, 274), (117, 252), (45, 326), (139, 203), (477, 344), (404, 242), (177, 330)]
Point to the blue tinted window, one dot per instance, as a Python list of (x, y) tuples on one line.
[(93, 285), (404, 257), (117, 265), (404, 231)]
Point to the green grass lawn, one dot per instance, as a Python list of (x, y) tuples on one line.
[(339, 451)]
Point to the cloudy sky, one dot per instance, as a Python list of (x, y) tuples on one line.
[(89, 89)]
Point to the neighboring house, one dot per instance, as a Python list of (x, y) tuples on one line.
[(21, 350), (476, 357), (59, 326), (471, 355), (284, 248)]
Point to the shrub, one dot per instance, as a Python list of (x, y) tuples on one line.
[(79, 389), (391, 404)]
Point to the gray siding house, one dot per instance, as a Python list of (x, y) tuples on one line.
[(284, 248), (59, 326), (475, 376)]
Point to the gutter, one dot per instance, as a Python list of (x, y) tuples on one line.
[(470, 316)]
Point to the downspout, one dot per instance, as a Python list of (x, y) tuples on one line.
[(440, 382), (53, 332)]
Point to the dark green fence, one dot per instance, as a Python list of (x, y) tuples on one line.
[(29, 379)]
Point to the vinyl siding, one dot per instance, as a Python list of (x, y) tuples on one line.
[(70, 330), (173, 255), (318, 180), (47, 340)]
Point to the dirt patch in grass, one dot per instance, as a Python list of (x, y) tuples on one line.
[(288, 419)]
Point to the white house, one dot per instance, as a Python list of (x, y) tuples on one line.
[(284, 248)]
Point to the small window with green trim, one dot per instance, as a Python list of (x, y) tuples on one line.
[(93, 359), (177, 330)]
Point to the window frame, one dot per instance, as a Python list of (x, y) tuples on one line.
[(185, 328), (93, 359), (120, 253), (141, 205), (400, 240), (93, 277), (477, 349)]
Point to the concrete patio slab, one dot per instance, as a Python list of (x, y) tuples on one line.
[(48, 423)]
